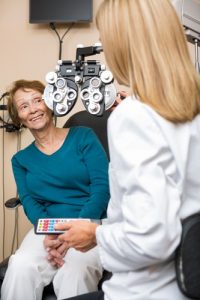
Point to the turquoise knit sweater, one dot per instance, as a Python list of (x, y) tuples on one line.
[(70, 183)]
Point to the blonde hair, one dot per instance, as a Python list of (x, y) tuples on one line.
[(23, 85), (146, 49)]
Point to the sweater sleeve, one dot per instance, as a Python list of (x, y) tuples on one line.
[(33, 209), (96, 162), (145, 176)]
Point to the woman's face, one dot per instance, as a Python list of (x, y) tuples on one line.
[(32, 110)]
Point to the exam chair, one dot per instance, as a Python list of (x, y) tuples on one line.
[(99, 126)]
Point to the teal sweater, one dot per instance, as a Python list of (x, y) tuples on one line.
[(70, 183)]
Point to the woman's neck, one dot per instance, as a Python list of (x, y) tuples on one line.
[(51, 139)]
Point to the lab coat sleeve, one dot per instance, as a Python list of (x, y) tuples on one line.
[(144, 170)]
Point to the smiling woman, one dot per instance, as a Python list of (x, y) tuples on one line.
[(32, 111), (57, 176)]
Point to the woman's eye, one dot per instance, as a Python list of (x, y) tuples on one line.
[(23, 107), (38, 100)]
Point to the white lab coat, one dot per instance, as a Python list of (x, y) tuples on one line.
[(154, 182)]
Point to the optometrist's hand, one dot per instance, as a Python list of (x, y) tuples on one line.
[(79, 234), (120, 97)]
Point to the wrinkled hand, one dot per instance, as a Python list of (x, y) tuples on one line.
[(79, 234), (120, 96), (51, 241), (56, 250)]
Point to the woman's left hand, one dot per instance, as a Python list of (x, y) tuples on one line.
[(79, 234), (56, 250), (51, 242)]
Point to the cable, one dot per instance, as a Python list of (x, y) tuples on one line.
[(19, 146), (16, 225), (3, 107), (3, 175), (3, 188), (9, 127), (53, 27), (4, 95)]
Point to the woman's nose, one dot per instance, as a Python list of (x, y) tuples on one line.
[(33, 107)]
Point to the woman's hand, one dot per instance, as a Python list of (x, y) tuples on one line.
[(79, 234), (51, 241), (56, 250)]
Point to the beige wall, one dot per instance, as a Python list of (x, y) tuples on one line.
[(29, 51)]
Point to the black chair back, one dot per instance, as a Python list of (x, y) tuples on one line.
[(98, 124)]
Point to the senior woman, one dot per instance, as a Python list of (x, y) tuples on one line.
[(61, 174)]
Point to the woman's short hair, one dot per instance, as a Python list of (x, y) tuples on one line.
[(23, 85), (146, 49)]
